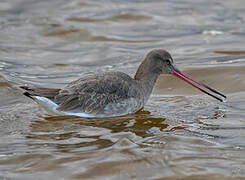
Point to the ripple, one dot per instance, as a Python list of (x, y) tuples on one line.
[(117, 18), (65, 32), (230, 52), (78, 34)]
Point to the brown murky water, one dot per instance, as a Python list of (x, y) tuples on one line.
[(181, 134)]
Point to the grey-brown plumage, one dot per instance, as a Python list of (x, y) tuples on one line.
[(109, 94)]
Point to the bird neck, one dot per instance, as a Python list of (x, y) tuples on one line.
[(146, 79)]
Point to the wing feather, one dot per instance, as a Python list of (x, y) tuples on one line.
[(94, 93)]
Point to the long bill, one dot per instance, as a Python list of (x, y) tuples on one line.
[(187, 78)]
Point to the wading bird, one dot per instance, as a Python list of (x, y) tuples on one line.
[(112, 93)]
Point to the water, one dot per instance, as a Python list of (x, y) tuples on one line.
[(180, 134)]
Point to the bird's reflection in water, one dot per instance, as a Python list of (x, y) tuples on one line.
[(67, 133), (138, 123)]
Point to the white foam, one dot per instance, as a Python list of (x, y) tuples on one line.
[(212, 32)]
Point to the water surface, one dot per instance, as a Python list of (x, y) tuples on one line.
[(180, 134)]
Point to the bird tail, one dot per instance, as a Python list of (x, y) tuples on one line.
[(45, 97), (43, 92)]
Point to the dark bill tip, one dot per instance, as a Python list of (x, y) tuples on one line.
[(187, 78)]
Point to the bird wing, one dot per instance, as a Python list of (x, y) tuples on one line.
[(91, 94)]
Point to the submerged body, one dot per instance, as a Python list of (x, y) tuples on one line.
[(109, 94)]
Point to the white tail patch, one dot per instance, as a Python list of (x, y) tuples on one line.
[(51, 108)]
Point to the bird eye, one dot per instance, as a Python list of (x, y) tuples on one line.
[(168, 61)]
